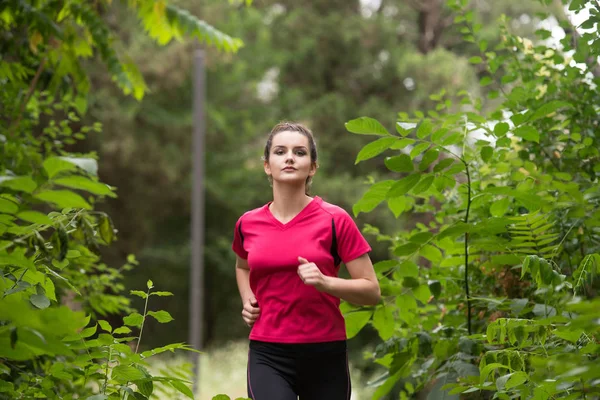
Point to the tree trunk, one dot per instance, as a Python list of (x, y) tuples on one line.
[(431, 23)]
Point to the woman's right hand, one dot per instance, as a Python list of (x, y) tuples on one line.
[(251, 311)]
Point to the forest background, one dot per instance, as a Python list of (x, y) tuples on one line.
[(323, 63)]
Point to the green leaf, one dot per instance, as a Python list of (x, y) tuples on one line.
[(475, 60), (161, 294), (548, 108), (570, 334), (407, 268), (402, 143), (516, 379), (139, 293), (382, 266), (122, 330), (87, 164), (486, 81), (126, 373), (423, 184), (501, 128), (39, 300), (438, 135), (18, 183), (63, 199), (372, 197), (150, 284), (97, 397), (383, 322), (406, 302), (435, 287), (418, 149), (397, 205), (528, 133), (161, 316), (355, 321), (387, 386), (55, 165), (486, 153), (35, 217), (366, 126), (84, 183), (145, 387), (374, 148), (401, 187), (443, 164), (500, 207), (133, 319), (404, 128), (182, 388), (10, 207), (421, 237), (406, 249), (422, 293), (105, 325), (107, 231), (221, 397), (429, 157), (431, 253), (401, 163), (425, 129)]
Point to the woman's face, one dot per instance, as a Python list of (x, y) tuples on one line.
[(289, 158)]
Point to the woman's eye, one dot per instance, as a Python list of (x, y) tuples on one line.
[(301, 153), (278, 152)]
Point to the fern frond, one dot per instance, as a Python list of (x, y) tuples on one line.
[(165, 22), (126, 75), (531, 235), (586, 272), (189, 24)]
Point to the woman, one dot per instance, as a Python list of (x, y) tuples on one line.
[(288, 256)]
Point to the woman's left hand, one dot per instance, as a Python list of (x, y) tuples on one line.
[(311, 275)]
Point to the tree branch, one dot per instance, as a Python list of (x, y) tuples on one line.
[(30, 91)]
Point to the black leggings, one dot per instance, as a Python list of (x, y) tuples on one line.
[(311, 371)]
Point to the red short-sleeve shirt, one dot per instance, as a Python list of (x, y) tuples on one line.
[(290, 311)]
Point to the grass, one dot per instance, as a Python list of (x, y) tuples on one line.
[(223, 371)]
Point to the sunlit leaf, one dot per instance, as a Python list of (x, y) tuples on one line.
[(366, 126)]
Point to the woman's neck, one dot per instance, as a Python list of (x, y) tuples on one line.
[(288, 201)]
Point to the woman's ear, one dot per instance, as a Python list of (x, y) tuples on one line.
[(267, 168), (313, 169)]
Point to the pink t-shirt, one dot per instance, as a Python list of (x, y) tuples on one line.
[(290, 311)]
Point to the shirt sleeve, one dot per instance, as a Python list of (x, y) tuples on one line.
[(351, 243), (238, 241)]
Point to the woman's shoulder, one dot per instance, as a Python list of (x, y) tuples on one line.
[(253, 213), (334, 210)]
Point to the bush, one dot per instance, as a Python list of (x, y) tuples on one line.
[(56, 340), (492, 287)]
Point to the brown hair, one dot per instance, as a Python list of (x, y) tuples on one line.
[(293, 127)]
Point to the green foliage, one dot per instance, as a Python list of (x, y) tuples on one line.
[(492, 288), (60, 334)]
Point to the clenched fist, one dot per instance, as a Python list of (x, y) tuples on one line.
[(250, 311), (312, 275)]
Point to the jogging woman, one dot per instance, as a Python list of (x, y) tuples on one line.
[(288, 257)]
